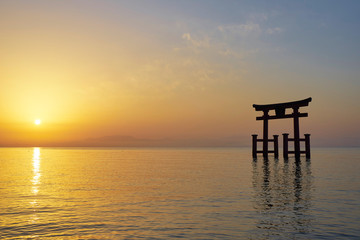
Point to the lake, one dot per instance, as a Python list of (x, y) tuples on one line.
[(164, 193)]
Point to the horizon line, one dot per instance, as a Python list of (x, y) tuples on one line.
[(160, 147)]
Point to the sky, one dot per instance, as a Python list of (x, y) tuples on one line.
[(176, 73)]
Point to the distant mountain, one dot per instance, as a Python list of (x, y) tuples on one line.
[(130, 141)]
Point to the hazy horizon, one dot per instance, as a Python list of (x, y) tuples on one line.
[(175, 73)]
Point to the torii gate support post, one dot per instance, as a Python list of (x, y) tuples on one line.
[(276, 146), (265, 135), (307, 145), (286, 145), (296, 133), (254, 145)]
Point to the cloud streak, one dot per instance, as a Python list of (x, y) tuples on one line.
[(243, 30)]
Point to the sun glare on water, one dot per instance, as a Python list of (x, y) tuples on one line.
[(37, 121)]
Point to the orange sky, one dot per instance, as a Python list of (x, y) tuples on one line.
[(157, 70)]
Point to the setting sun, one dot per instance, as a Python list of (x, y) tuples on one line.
[(37, 121)]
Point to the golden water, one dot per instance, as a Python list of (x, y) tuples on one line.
[(114, 193)]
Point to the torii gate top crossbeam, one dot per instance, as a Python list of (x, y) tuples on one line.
[(280, 109), (301, 103)]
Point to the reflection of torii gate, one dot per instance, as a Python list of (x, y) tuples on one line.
[(279, 114)]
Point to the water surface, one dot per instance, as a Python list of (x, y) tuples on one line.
[(221, 193)]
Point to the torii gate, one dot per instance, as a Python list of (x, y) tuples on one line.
[(279, 114)]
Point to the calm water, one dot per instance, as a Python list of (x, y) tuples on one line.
[(204, 193)]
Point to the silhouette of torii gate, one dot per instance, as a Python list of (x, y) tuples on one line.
[(280, 109)]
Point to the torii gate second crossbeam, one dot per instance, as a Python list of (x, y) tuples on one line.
[(280, 109)]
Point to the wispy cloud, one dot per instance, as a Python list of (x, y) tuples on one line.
[(274, 30), (242, 29), (203, 42), (249, 29), (202, 53)]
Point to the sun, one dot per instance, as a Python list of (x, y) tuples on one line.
[(37, 121)]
